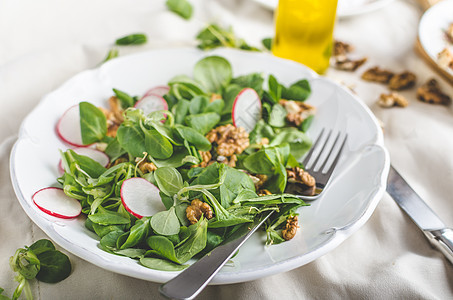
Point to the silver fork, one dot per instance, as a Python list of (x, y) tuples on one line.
[(189, 283), (317, 167)]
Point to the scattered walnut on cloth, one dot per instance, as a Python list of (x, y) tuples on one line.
[(342, 61), (377, 74), (392, 99), (402, 81), (431, 92)]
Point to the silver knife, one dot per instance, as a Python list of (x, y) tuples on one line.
[(426, 219)]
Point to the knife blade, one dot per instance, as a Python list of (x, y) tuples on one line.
[(423, 216)]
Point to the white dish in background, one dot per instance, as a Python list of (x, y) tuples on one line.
[(431, 30), (357, 187), (346, 8)]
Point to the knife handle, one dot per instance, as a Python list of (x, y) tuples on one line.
[(443, 240)]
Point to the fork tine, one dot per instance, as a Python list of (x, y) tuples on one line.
[(335, 161), (313, 165), (309, 154), (330, 153)]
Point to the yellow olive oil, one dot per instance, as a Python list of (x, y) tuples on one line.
[(304, 31)]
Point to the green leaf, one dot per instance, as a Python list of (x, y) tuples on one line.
[(113, 53), (107, 217), (182, 8), (125, 99), (163, 246), (198, 104), (55, 266), (275, 89), (298, 141), (132, 139), (131, 252), (93, 123), (161, 264), (165, 222), (109, 241), (277, 117), (267, 43), (204, 122), (195, 243), (169, 180), (157, 145), (194, 137), (213, 72), (41, 246), (299, 90), (137, 234), (132, 39)]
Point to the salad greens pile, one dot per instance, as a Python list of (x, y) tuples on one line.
[(174, 140)]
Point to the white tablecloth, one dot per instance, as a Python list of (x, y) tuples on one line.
[(43, 43)]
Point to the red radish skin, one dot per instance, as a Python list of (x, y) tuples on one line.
[(53, 201), (140, 197), (68, 127), (158, 90), (151, 103), (94, 154), (246, 109)]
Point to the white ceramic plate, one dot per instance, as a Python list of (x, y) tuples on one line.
[(431, 30), (346, 8), (358, 185)]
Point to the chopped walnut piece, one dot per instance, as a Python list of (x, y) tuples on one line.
[(205, 159), (301, 181), (342, 48), (392, 99), (258, 180), (263, 192), (342, 62), (147, 167), (196, 209), (430, 92), (297, 111), (114, 116), (227, 141), (402, 81), (445, 58), (292, 223), (377, 74)]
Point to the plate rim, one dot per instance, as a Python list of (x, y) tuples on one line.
[(334, 240)]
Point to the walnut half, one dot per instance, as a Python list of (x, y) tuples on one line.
[(392, 99), (196, 209), (301, 182), (292, 223), (430, 92)]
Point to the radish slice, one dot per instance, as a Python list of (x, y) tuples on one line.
[(141, 198), (55, 202), (151, 103), (246, 109), (94, 154), (68, 127), (158, 90)]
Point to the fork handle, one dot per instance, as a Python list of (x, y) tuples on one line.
[(189, 283)]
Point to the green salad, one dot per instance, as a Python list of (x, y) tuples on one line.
[(202, 160)]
